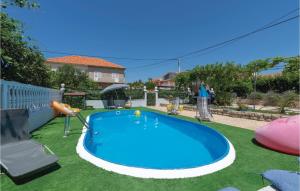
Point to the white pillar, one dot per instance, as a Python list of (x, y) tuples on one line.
[(156, 97), (145, 95), (61, 91)]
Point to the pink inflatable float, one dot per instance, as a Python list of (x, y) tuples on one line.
[(281, 135)]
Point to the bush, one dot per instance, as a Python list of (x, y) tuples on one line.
[(242, 107), (287, 99), (135, 93), (122, 94), (255, 98), (93, 95), (277, 84), (284, 100), (117, 94), (224, 98), (242, 89), (150, 99), (174, 93), (271, 99), (74, 101)]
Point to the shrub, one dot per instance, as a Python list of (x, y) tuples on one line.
[(174, 93), (150, 99), (271, 99), (135, 93), (287, 99), (74, 101), (255, 98), (93, 95), (277, 84), (242, 107), (284, 100), (224, 98), (242, 89)]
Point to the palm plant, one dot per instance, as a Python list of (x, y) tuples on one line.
[(286, 100)]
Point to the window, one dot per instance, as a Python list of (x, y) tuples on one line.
[(97, 76), (115, 77)]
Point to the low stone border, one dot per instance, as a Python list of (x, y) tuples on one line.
[(239, 114)]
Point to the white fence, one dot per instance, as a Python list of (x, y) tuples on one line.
[(36, 99)]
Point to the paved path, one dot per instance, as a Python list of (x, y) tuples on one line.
[(233, 121)]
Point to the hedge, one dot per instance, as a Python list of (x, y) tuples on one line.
[(121, 94), (174, 93), (150, 99), (74, 101), (277, 84)]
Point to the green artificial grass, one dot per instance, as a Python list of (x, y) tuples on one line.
[(78, 174)]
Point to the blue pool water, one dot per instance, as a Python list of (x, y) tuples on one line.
[(153, 140)]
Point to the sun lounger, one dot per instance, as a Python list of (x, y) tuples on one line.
[(283, 180), (24, 157), (21, 156)]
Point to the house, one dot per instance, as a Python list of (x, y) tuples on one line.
[(166, 81), (101, 71)]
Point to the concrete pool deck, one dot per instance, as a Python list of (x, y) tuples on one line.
[(233, 121)]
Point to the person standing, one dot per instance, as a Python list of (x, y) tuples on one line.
[(213, 95), (208, 94)]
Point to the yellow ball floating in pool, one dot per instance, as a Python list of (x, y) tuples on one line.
[(137, 113)]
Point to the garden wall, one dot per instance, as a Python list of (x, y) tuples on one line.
[(35, 99)]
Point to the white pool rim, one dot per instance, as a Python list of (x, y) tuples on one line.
[(154, 173)]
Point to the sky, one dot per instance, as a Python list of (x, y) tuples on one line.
[(159, 29)]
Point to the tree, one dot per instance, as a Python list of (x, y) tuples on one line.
[(150, 85), (263, 64), (137, 84), (20, 61), (222, 77), (73, 79), (292, 68), (19, 3), (182, 80)]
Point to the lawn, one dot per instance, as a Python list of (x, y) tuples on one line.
[(78, 174)]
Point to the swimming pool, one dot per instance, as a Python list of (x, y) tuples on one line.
[(153, 145)]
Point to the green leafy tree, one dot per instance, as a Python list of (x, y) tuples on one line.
[(262, 64), (20, 61), (73, 79), (19, 3), (150, 85), (289, 80), (287, 99), (222, 77), (137, 84), (182, 80)]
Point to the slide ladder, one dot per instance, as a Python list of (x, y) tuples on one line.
[(68, 112)]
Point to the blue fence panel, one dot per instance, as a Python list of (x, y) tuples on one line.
[(36, 99)]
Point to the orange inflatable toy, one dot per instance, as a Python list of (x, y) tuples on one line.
[(64, 108)]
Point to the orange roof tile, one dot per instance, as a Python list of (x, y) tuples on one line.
[(81, 60)]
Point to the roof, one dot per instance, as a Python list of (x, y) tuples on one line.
[(75, 94), (82, 60)]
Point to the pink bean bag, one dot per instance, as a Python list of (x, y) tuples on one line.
[(281, 135)]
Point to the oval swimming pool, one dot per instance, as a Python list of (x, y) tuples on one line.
[(153, 145)]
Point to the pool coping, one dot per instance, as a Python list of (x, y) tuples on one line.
[(154, 173)]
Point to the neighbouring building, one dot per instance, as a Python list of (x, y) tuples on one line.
[(101, 71), (166, 81)]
